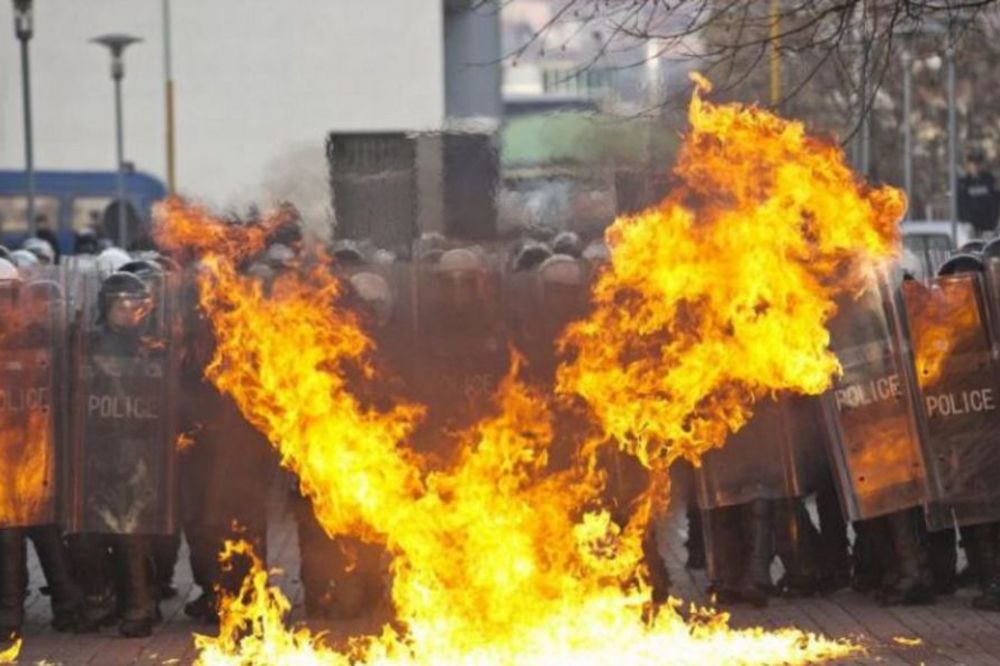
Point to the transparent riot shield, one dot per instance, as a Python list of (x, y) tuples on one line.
[(763, 460), (124, 439), (460, 352), (538, 306), (32, 398), (956, 376), (873, 444)]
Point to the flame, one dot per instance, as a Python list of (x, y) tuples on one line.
[(720, 295), (716, 297), (9, 655), (908, 642), (943, 318), (184, 442), (28, 465)]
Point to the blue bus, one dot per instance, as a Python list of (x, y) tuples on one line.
[(71, 201)]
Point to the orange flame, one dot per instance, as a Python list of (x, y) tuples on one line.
[(184, 442), (944, 318), (9, 655), (496, 558), (720, 294)]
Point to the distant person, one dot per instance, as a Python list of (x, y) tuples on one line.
[(978, 199), (44, 230), (110, 222)]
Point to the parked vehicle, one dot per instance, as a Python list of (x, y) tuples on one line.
[(71, 201)]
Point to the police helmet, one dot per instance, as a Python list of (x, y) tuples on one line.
[(530, 255), (280, 256), (42, 295), (962, 263), (972, 246), (143, 268), (41, 249), (597, 252), (8, 271), (460, 260), (991, 249), (112, 259), (121, 287), (44, 290), (383, 257), (24, 259), (373, 289), (347, 252), (562, 269), (567, 242)]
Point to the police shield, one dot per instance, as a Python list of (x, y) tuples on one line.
[(873, 443), (956, 377), (460, 349), (769, 458), (124, 422), (538, 306), (32, 396)]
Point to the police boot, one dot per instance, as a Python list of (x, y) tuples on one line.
[(914, 582), (139, 612), (66, 595), (165, 549), (979, 544), (834, 547), (695, 540), (989, 599), (92, 570), (757, 584), (204, 543), (943, 560), (13, 581), (795, 540), (723, 535), (871, 544)]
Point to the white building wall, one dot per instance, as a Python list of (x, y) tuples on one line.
[(256, 81)]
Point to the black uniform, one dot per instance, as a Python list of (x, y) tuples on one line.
[(225, 473), (979, 200), (122, 494)]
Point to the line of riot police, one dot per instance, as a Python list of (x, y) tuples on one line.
[(899, 453), (102, 363), (102, 367)]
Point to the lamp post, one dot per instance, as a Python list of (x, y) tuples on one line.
[(117, 44), (168, 78), (23, 29)]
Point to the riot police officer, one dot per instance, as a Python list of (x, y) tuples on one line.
[(124, 445), (222, 473), (344, 577), (30, 355)]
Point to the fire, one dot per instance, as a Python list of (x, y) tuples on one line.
[(943, 317), (720, 295), (906, 641), (716, 297), (9, 655), (184, 442)]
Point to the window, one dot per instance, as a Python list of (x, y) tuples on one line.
[(87, 212), (14, 212)]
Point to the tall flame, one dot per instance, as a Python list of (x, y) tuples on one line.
[(714, 298), (720, 295)]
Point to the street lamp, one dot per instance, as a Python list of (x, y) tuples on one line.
[(117, 44), (23, 29)]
